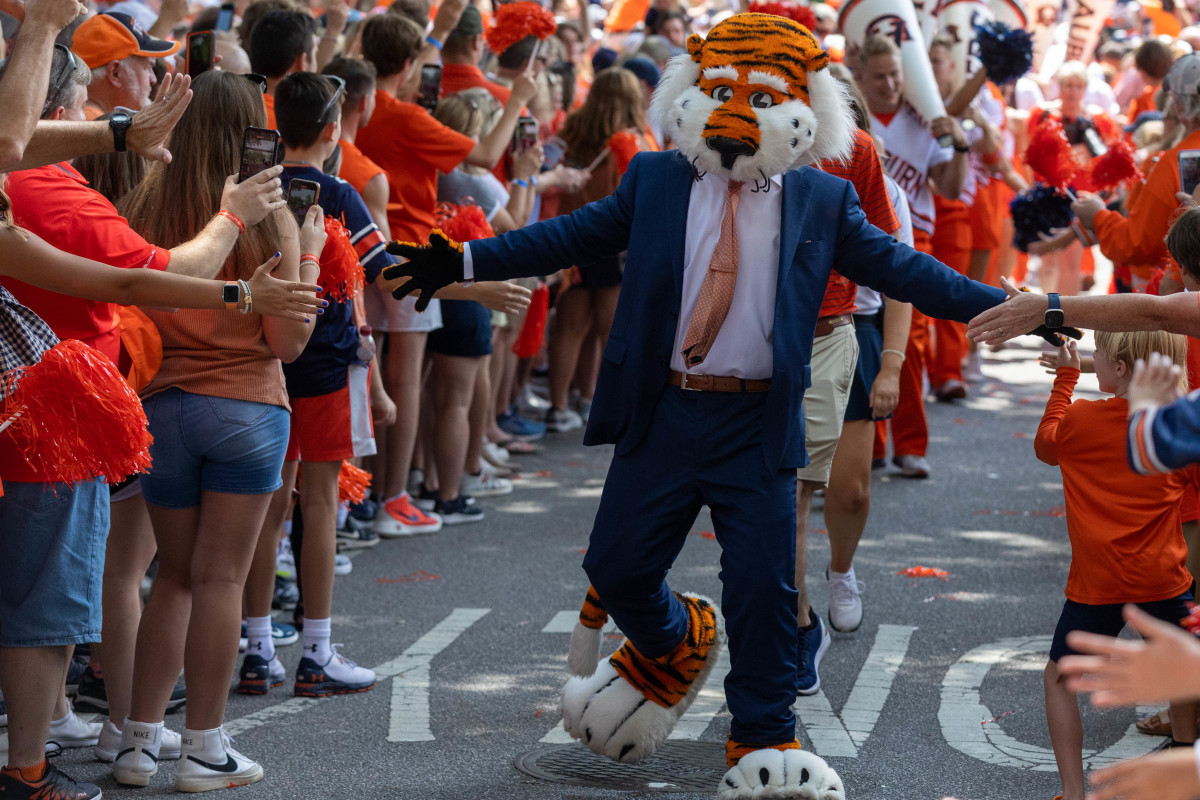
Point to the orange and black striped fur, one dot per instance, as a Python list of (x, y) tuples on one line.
[(665, 681)]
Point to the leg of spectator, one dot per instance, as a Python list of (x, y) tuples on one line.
[(319, 502), (454, 385), (604, 308), (848, 495), (502, 340), (481, 401), (260, 583), (31, 678), (403, 380), (164, 626), (128, 554), (1066, 731), (910, 431), (220, 560), (572, 323), (1183, 722), (1069, 264)]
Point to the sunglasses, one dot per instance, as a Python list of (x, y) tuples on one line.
[(64, 74), (258, 80), (339, 89)]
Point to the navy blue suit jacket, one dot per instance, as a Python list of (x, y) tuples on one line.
[(824, 228)]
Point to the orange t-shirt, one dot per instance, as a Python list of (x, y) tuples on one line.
[(357, 170), (625, 15), (269, 104), (412, 148), (457, 77), (1125, 532), (862, 170), (1143, 102)]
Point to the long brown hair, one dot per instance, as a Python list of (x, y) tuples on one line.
[(175, 201), (614, 103)]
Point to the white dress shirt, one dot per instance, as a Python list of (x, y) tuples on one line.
[(743, 345)]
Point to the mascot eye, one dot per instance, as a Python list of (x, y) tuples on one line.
[(722, 94), (761, 100)]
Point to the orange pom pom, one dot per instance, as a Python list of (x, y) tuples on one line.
[(514, 21), (1049, 155), (1115, 167), (342, 274), (463, 223), (352, 483), (74, 417), (529, 341), (624, 146)]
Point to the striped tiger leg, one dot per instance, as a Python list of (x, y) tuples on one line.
[(778, 771), (584, 655), (630, 705)]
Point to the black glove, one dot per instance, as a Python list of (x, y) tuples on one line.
[(1053, 337), (430, 267)]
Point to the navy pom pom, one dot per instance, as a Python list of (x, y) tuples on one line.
[(1006, 53), (1039, 210)]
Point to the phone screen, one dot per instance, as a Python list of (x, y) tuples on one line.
[(200, 52), (554, 149), (301, 195), (225, 17), (1189, 170), (260, 150), (526, 134), (430, 87)]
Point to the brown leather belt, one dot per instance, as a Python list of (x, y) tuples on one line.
[(716, 383), (826, 325)]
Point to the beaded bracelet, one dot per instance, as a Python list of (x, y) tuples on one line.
[(229, 215), (249, 301), (309, 257), (894, 352)]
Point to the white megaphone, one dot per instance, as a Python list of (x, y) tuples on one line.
[(927, 11), (957, 19), (1044, 17), (1011, 13), (897, 20)]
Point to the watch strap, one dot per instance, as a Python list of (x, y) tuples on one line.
[(119, 125)]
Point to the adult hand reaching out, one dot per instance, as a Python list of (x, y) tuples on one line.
[(287, 299), (1023, 313), (501, 296), (147, 135)]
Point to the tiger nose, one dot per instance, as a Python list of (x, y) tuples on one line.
[(729, 149)]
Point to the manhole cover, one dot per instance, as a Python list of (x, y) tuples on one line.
[(676, 767)]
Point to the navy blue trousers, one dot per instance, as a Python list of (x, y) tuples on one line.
[(705, 448)]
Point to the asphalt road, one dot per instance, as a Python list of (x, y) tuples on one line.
[(938, 693)]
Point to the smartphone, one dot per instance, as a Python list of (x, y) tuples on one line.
[(525, 135), (301, 195), (430, 87), (260, 150), (199, 52), (1189, 170), (554, 148), (225, 17)]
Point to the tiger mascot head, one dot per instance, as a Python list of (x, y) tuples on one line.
[(753, 100)]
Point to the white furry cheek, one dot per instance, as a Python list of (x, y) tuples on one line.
[(787, 132), (689, 115)]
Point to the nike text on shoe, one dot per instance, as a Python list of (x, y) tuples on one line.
[(813, 644), (137, 756), (336, 676), (110, 744), (209, 762)]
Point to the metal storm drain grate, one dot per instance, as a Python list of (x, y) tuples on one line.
[(676, 767)]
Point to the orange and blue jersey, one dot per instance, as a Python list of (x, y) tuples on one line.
[(1165, 438)]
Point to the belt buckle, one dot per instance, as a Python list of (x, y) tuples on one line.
[(683, 382)]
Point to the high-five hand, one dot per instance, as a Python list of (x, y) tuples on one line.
[(429, 267)]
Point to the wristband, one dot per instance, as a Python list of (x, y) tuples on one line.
[(434, 42), (249, 307), (893, 351), (309, 257), (958, 149), (229, 215), (533, 181), (521, 183)]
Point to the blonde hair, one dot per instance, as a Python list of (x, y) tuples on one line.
[(876, 45), (472, 112), (1072, 69), (1129, 346)]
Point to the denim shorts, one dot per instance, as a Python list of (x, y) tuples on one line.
[(1106, 619), (52, 538), (212, 444)]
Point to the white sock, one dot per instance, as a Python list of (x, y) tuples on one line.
[(316, 639), (343, 512), (842, 575), (258, 637)]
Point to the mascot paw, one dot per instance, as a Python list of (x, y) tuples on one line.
[(772, 773), (630, 705)]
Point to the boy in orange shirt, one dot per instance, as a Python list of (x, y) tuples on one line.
[(1126, 541)]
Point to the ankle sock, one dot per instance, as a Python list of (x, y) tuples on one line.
[(32, 774), (258, 637), (841, 575), (316, 639)]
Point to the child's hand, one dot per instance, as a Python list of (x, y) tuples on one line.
[(1170, 775), (1068, 356), (1049, 362), (1155, 383)]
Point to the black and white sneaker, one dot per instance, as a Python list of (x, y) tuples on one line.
[(458, 511), (356, 534), (209, 762), (90, 695)]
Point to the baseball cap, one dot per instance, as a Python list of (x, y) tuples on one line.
[(644, 68), (113, 36), (470, 23), (1184, 77)]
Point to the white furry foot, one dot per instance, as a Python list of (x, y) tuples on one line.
[(782, 774), (584, 655)]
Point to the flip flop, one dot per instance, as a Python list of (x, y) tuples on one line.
[(520, 447), (1156, 724)]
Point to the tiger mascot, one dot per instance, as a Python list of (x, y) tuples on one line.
[(747, 104)]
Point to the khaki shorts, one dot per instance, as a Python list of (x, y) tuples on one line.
[(834, 357)]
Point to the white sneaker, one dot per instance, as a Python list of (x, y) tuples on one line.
[(530, 401), (845, 602), (71, 731), (338, 675), (137, 755), (494, 453), (415, 478), (561, 420), (913, 466), (110, 744), (285, 560), (209, 762), (342, 565), (972, 368), (486, 484)]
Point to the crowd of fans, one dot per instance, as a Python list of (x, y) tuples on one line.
[(207, 291)]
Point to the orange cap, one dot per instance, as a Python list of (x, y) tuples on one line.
[(110, 37)]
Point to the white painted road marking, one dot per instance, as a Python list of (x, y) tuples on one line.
[(564, 622), (962, 710)]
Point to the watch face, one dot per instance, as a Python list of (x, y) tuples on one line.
[(230, 294), (120, 118), (1054, 318)]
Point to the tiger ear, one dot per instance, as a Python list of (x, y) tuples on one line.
[(695, 44), (815, 61)]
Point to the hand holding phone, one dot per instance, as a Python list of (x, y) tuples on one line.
[(525, 135), (1189, 170), (430, 87), (301, 195), (260, 150), (200, 52)]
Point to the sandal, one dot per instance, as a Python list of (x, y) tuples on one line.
[(520, 447), (1156, 724)]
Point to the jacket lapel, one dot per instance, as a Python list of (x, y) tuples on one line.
[(797, 193), (678, 186)]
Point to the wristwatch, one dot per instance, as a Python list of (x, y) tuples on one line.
[(1054, 313), (231, 295), (119, 124)]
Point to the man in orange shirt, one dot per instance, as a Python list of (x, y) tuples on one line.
[(367, 177), (282, 42), (461, 54), (116, 45)]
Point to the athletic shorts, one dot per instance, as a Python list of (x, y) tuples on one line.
[(1106, 619), (985, 217), (832, 368), (52, 538), (603, 274), (386, 313), (211, 444), (466, 330), (868, 330), (334, 426)]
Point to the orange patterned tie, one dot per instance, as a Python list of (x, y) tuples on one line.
[(716, 293)]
